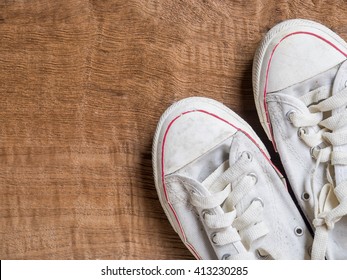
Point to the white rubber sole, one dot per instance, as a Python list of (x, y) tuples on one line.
[(173, 112), (260, 62)]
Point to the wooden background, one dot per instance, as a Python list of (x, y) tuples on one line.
[(82, 86)]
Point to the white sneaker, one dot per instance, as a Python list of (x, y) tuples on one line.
[(299, 81), (219, 189)]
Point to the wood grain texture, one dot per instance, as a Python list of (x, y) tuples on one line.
[(83, 84)]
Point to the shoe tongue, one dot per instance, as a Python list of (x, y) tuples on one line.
[(234, 154), (235, 149), (338, 85)]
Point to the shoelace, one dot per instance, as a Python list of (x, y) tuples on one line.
[(227, 191), (330, 205)]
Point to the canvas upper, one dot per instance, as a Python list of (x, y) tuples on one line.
[(219, 189), (299, 79)]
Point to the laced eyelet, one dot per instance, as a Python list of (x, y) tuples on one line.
[(258, 199), (225, 256), (315, 148), (248, 155), (298, 231), (213, 236), (288, 114), (254, 176), (205, 212), (301, 131), (305, 196)]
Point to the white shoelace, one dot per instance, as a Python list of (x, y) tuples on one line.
[(330, 205), (227, 191)]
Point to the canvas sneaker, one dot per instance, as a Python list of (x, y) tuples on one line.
[(299, 81), (219, 189)]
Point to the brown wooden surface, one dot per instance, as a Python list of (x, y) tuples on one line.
[(82, 86)]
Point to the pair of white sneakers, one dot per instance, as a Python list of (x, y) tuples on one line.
[(215, 181)]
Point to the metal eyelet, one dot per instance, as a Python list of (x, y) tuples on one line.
[(205, 212), (225, 256), (315, 148), (288, 114), (253, 175), (213, 236), (299, 231), (305, 196), (258, 199), (248, 155), (301, 131)]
